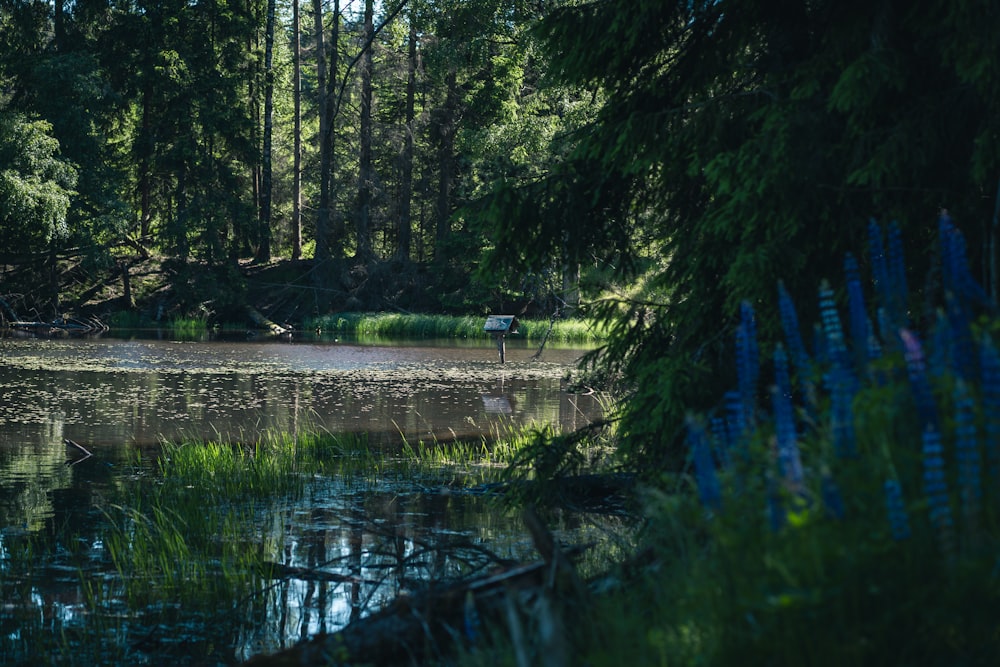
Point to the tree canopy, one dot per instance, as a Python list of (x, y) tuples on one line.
[(739, 143), (670, 159), (36, 186)]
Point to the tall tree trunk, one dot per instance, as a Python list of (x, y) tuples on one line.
[(446, 162), (337, 231), (60, 26), (363, 213), (297, 135), (264, 241), (322, 255), (145, 156), (54, 280), (404, 231)]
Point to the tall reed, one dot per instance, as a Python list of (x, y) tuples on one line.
[(401, 326)]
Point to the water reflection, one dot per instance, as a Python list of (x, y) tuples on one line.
[(349, 546), (113, 392), (356, 543)]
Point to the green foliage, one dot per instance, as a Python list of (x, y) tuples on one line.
[(737, 142), (821, 533), (36, 185), (823, 590), (400, 326)]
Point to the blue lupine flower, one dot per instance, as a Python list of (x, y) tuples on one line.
[(880, 265), (704, 467), (842, 413), (899, 520), (874, 345), (735, 425), (959, 322), (721, 443), (832, 499), (936, 489), (747, 362), (920, 385), (989, 363), (955, 273), (793, 334), (967, 452), (886, 329), (858, 318), (789, 461), (939, 356), (897, 272), (834, 335), (776, 512)]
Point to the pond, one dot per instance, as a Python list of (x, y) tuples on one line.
[(99, 559)]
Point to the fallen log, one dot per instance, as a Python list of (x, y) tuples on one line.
[(66, 327), (416, 628), (413, 627), (261, 321)]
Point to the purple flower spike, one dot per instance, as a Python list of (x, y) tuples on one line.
[(955, 273), (776, 512), (916, 370), (834, 336), (842, 414), (967, 453), (897, 272), (856, 312), (832, 499), (704, 467), (789, 462), (793, 334), (735, 425), (936, 490), (989, 362), (747, 362), (959, 323), (880, 265), (721, 443), (899, 521)]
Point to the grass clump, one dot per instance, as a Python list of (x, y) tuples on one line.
[(399, 325)]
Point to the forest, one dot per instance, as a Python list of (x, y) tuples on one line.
[(696, 178)]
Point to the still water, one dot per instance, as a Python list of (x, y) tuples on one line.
[(62, 596), (110, 392)]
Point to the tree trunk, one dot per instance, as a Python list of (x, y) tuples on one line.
[(60, 25), (404, 232), (322, 254), (365, 179), (127, 300), (297, 135), (145, 149), (264, 219), (446, 161), (338, 233)]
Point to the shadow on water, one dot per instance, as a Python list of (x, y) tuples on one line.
[(146, 553)]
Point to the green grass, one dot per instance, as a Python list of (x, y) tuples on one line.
[(183, 328), (188, 538), (398, 325)]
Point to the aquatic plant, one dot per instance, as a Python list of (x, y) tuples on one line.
[(376, 326)]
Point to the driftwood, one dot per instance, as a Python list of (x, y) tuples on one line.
[(261, 321), (416, 628), (60, 327), (86, 452)]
